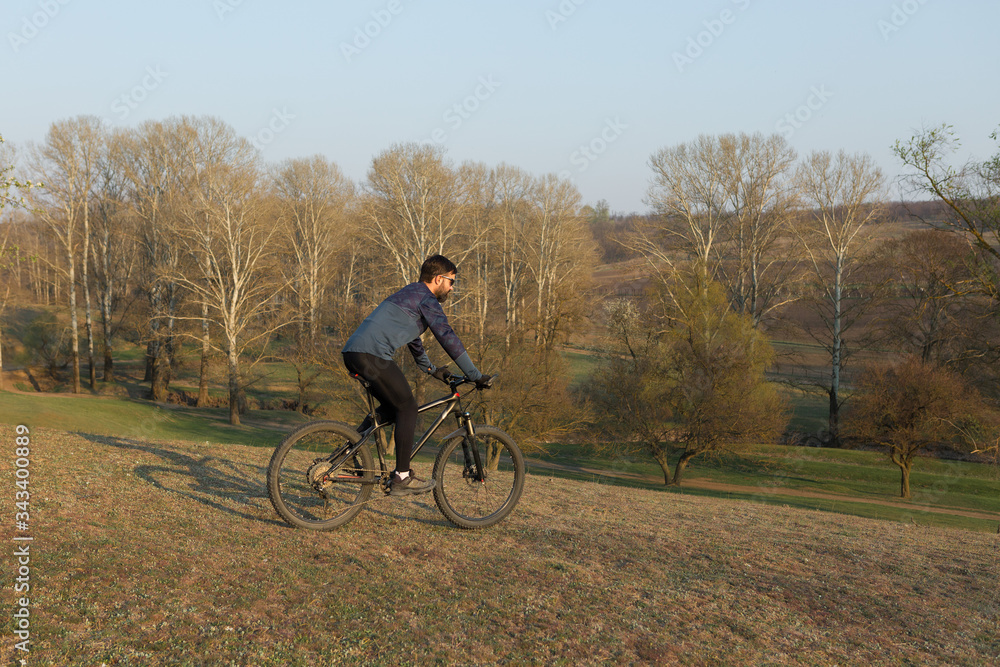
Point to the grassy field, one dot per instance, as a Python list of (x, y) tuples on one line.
[(160, 552), (945, 493), (143, 419)]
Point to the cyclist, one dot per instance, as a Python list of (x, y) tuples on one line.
[(398, 321)]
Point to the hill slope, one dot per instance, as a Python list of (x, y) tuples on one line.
[(149, 553)]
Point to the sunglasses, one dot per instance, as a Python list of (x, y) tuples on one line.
[(449, 278)]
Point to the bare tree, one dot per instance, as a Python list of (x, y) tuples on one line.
[(757, 262), (151, 163), (411, 208), (843, 194), (480, 277), (725, 203), (926, 316), (113, 247), (314, 200), (690, 193), (228, 233), (511, 213), (560, 256), (8, 200), (971, 194), (67, 164), (314, 206)]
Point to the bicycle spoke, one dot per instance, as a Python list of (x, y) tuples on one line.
[(312, 488), (471, 500)]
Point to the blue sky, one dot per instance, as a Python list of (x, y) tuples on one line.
[(583, 88)]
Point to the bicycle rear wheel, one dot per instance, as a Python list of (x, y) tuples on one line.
[(469, 503), (312, 483)]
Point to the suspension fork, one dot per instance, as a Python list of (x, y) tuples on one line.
[(469, 443)]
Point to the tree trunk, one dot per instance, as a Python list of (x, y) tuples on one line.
[(681, 465), (833, 422), (105, 298), (205, 349), (160, 375), (109, 363), (904, 479), (147, 376), (837, 350), (89, 325), (171, 353), (300, 403), (74, 327), (234, 385), (89, 318), (665, 467)]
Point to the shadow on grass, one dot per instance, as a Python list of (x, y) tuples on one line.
[(222, 484), (210, 481)]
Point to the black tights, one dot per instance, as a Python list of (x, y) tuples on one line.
[(396, 401)]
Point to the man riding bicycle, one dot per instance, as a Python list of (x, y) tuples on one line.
[(398, 321)]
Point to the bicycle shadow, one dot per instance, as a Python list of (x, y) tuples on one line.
[(236, 488), (233, 487)]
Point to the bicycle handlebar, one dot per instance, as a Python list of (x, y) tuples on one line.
[(485, 382)]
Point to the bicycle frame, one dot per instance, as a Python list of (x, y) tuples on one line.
[(448, 402)]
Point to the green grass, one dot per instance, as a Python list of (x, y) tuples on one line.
[(782, 474), (810, 411), (134, 418), (580, 366), (769, 474)]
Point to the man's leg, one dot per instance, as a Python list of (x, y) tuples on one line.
[(389, 386)]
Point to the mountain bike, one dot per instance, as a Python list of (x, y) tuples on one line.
[(323, 474)]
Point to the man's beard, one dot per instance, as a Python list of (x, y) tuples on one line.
[(442, 297)]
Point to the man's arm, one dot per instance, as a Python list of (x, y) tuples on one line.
[(437, 322), (420, 355)]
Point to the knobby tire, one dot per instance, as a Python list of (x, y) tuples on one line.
[(468, 503), (346, 489)]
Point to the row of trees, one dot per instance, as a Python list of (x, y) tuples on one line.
[(747, 234), (180, 225), (179, 221)]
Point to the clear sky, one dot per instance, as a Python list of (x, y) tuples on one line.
[(583, 88)]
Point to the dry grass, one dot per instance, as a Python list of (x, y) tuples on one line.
[(153, 553)]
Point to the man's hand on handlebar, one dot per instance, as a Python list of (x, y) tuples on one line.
[(484, 381), (442, 374)]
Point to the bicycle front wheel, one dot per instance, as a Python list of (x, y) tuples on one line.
[(471, 500), (311, 480)]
